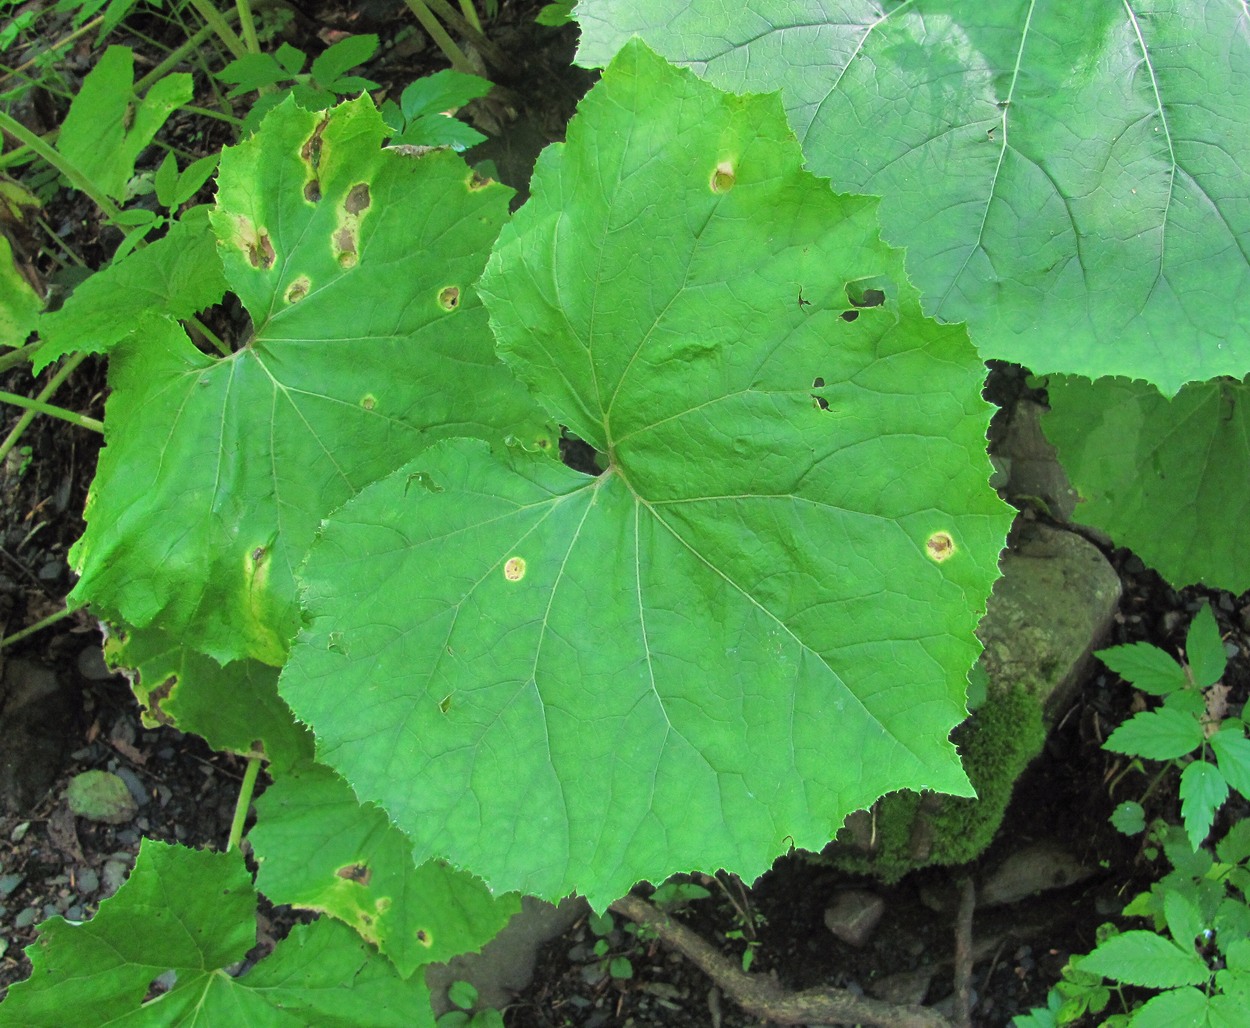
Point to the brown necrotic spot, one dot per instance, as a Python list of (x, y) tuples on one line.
[(477, 181), (358, 873), (312, 191), (298, 289), (940, 546), (424, 938), (514, 569), (255, 243), (723, 178), (449, 298), (358, 199), (345, 247)]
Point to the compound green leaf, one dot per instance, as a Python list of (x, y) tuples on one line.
[(193, 912), (357, 266), (1204, 649), (1147, 667), (320, 849), (235, 708), (1177, 1008), (1232, 753), (759, 617), (106, 130), (1069, 182), (1202, 791), (1146, 959), (1155, 474), (175, 276), (1162, 734)]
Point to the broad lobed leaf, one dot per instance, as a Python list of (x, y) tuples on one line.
[(357, 266), (758, 618), (1070, 186)]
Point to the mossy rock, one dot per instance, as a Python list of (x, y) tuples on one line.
[(1049, 611)]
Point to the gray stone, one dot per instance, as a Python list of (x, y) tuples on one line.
[(36, 720), (113, 875), (1027, 468), (853, 915), (1029, 872), (88, 882)]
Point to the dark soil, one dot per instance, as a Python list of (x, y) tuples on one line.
[(53, 863)]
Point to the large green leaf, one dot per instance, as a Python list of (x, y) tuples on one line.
[(194, 913), (1160, 476), (357, 266), (320, 849), (1070, 182), (759, 617)]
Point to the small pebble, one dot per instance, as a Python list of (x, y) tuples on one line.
[(75, 913), (26, 918), (135, 786), (8, 883), (128, 837), (114, 874), (49, 910), (19, 832), (88, 882)]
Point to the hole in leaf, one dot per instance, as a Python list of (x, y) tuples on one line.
[(310, 152), (580, 455), (358, 873), (449, 298), (850, 315), (424, 938), (358, 199), (940, 546), (723, 178), (444, 704), (867, 292), (345, 247), (513, 571), (819, 401)]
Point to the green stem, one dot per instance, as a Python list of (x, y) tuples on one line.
[(243, 803), (28, 416), (214, 18), (81, 420), (212, 337), (247, 24), (439, 34), (75, 177), (17, 356), (81, 30), (38, 626), (470, 14), (493, 54), (192, 44)]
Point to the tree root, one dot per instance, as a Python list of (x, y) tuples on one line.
[(762, 997)]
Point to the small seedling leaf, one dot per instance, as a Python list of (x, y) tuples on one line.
[(441, 92), (1172, 1009), (1183, 918), (1145, 667), (462, 994), (340, 58), (1129, 817)]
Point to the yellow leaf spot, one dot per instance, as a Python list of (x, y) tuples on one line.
[(723, 178), (940, 546), (514, 569)]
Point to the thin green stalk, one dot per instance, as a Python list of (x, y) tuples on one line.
[(75, 177), (28, 416), (214, 18), (493, 54), (208, 112), (81, 420), (19, 355), (190, 46), (243, 803), (470, 13), (198, 326), (439, 34), (247, 24), (38, 626)]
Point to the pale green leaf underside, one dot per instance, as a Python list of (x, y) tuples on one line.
[(217, 471), (736, 635), (1071, 183), (194, 912), (320, 849), (1159, 476)]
